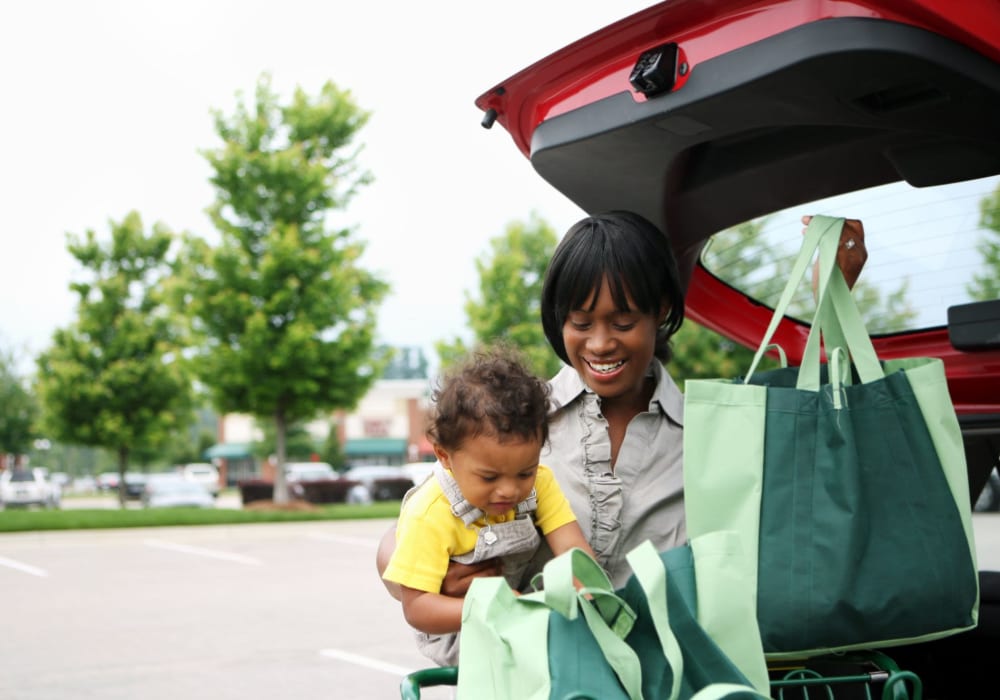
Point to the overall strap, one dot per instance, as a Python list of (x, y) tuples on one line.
[(465, 511)]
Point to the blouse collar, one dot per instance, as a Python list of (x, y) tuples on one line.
[(567, 386)]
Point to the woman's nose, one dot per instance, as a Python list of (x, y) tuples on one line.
[(600, 340)]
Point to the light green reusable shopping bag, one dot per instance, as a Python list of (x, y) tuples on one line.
[(594, 643), (847, 481), (551, 643)]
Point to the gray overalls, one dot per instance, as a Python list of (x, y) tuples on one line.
[(514, 541)]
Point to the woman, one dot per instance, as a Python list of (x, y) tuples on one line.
[(611, 301)]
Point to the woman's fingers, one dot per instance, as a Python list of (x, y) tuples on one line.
[(851, 252)]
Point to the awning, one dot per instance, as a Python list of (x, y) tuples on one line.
[(425, 448), (228, 450), (364, 447)]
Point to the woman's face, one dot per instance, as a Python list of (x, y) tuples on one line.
[(611, 349)]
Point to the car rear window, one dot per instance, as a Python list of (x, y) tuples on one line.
[(928, 248)]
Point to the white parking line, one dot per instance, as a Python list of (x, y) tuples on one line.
[(345, 539), (199, 551), (26, 568), (365, 661)]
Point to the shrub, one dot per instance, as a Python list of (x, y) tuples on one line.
[(390, 489), (320, 491), (324, 491), (256, 490)]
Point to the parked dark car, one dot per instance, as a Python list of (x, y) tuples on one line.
[(724, 123), (134, 485)]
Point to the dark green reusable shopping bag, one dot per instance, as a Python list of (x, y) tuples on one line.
[(684, 654), (511, 644), (848, 482), (563, 643)]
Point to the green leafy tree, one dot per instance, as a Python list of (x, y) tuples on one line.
[(194, 440), (986, 285), (333, 451), (18, 408), (76, 460), (510, 291), (299, 443), (405, 363), (284, 313), (114, 378), (738, 256)]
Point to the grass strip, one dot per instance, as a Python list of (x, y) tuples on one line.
[(85, 519)]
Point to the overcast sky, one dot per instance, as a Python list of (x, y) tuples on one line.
[(106, 104)]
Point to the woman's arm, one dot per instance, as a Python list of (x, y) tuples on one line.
[(456, 582), (386, 546), (432, 613)]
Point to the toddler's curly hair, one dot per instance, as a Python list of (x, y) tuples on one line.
[(491, 392)]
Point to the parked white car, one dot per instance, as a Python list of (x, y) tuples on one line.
[(381, 483), (203, 473), (21, 488), (175, 491), (309, 471), (419, 471)]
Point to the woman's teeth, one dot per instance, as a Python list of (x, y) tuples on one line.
[(604, 368)]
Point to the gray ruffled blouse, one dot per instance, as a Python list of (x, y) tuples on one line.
[(642, 497)]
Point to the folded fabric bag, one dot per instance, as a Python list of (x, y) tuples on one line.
[(847, 481), (563, 643)]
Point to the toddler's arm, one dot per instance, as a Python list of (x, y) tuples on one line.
[(566, 537)]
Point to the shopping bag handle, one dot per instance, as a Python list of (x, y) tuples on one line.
[(837, 321), (836, 312), (652, 577), (559, 574), (607, 615), (651, 573)]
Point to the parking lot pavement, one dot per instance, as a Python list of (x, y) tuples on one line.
[(244, 612), (216, 612)]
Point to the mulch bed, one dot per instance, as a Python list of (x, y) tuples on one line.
[(291, 506)]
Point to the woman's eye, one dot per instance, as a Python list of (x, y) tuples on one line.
[(580, 325), (624, 326)]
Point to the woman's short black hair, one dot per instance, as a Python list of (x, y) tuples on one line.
[(636, 258)]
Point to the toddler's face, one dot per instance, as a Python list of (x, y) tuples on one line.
[(492, 475)]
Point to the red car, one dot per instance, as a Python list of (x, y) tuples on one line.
[(725, 122)]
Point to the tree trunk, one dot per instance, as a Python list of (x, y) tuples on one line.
[(122, 468), (280, 484)]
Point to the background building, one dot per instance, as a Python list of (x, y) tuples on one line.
[(387, 427)]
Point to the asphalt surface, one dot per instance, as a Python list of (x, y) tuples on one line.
[(291, 610)]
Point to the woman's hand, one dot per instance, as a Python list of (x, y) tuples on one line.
[(851, 252), (459, 577)]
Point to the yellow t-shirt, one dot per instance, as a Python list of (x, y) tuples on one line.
[(428, 535)]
